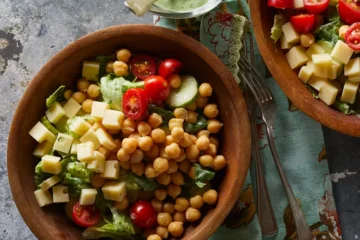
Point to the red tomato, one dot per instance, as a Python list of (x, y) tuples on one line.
[(135, 103), (143, 214), (157, 88), (303, 23), (85, 216), (349, 11), (281, 3), (142, 66), (316, 6), (169, 67), (352, 36)]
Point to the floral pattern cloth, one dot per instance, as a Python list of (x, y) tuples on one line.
[(298, 139)]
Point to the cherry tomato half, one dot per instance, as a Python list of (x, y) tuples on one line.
[(352, 36), (169, 67), (143, 214), (142, 66), (349, 11), (316, 6), (157, 88), (281, 3), (85, 216), (135, 103), (303, 23)]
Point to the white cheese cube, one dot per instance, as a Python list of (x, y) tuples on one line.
[(90, 70), (310, 64), (85, 152), (43, 149), (349, 92), (74, 146), (284, 44), (317, 82), (299, 4), (43, 197), (334, 70), (342, 52), (79, 126), (105, 139), (98, 110), (63, 143), (305, 73), (354, 79), (353, 67), (290, 34), (322, 59), (97, 165), (90, 136), (328, 93), (113, 119), (51, 164), (88, 196), (48, 183), (112, 170), (60, 194), (55, 112), (40, 133), (71, 108), (320, 71), (315, 49), (297, 57), (114, 191)]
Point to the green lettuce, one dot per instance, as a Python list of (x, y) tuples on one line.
[(343, 107), (192, 128), (276, 30), (48, 125), (329, 32), (103, 60), (166, 115), (57, 96), (134, 182), (77, 177), (202, 175), (64, 163), (40, 176), (75, 184), (79, 170)]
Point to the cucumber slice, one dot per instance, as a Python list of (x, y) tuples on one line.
[(184, 95)]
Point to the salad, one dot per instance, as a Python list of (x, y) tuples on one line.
[(321, 39), (132, 151)]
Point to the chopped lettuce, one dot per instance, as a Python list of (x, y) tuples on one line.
[(121, 221), (71, 121), (203, 175), (103, 60), (40, 176), (134, 182), (343, 107), (329, 32), (57, 96), (195, 127), (79, 170), (48, 125), (64, 163), (166, 115), (276, 30), (75, 184)]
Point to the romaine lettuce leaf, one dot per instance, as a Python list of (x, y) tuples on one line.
[(276, 30), (329, 32), (75, 184), (121, 221), (203, 175), (57, 96), (166, 115), (48, 125), (136, 183), (195, 127), (79, 170), (105, 230), (343, 107)]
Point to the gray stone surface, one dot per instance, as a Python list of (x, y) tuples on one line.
[(31, 32)]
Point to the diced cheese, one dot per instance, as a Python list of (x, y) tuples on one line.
[(315, 49), (320, 71), (79, 126), (48, 183), (305, 73), (40, 133), (290, 34), (317, 82), (114, 191), (97, 165), (90, 70), (55, 112), (284, 44), (342, 52), (85, 152), (98, 110), (51, 164), (74, 146), (322, 59), (88, 196), (43, 149), (353, 67), (299, 4), (105, 139), (43, 198), (90, 136), (112, 170), (60, 194), (71, 108), (328, 93), (63, 143), (310, 64), (113, 119), (349, 92), (334, 70), (354, 79), (297, 57)]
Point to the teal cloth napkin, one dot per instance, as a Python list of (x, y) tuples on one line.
[(298, 139)]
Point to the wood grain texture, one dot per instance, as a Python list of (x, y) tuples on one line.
[(294, 88), (51, 222)]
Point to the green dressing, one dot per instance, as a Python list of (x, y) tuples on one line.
[(180, 5)]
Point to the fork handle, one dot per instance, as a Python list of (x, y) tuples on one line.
[(265, 211), (302, 228)]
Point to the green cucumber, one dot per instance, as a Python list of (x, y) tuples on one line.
[(185, 95)]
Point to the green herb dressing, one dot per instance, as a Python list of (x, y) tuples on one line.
[(180, 5)]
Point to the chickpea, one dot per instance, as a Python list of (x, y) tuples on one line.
[(125, 165), (145, 143), (137, 156), (192, 214), (214, 126), (123, 55), (192, 172), (169, 208), (173, 150), (164, 179), (214, 141), (205, 133), (193, 139), (192, 106), (109, 67), (124, 204), (174, 81), (185, 141), (211, 111), (181, 204), (148, 232), (144, 129), (206, 161), (138, 168), (150, 171), (160, 194), (155, 120), (196, 202), (157, 205), (79, 96), (122, 155), (203, 143), (87, 105), (177, 178), (82, 85), (176, 229), (162, 232), (118, 145), (163, 153), (97, 181), (307, 39), (98, 125), (192, 152), (192, 117), (129, 145), (181, 157), (175, 122), (113, 131), (342, 30), (104, 151), (120, 68), (219, 162), (161, 165), (67, 94), (181, 113), (179, 217), (211, 150), (169, 140), (205, 90), (153, 237), (153, 152), (94, 91), (128, 126), (173, 167), (164, 219), (201, 102), (158, 135), (184, 166), (173, 190), (177, 133), (112, 156), (210, 196)]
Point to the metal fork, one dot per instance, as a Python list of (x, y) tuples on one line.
[(268, 108)]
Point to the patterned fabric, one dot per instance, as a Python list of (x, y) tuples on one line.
[(298, 139)]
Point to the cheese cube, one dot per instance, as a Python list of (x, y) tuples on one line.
[(90, 136), (97, 165), (349, 92), (63, 143), (40, 133), (71, 108), (85, 152), (297, 57), (353, 67), (320, 71), (310, 64), (48, 183), (43, 198), (328, 93), (105, 139), (60, 194), (79, 126), (305, 73), (354, 79), (316, 82), (315, 49), (284, 44), (322, 59), (299, 4), (290, 34), (114, 191), (51, 164), (334, 70), (342, 52), (88, 196), (112, 170), (43, 149), (74, 146), (90, 70), (113, 119), (55, 112), (98, 110)]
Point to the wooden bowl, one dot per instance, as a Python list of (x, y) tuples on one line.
[(51, 221), (262, 19)]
